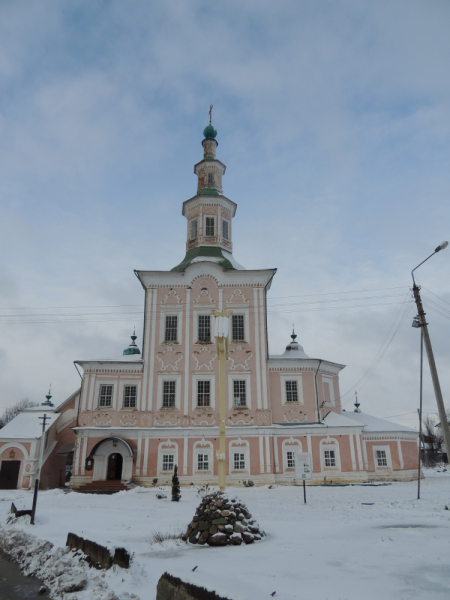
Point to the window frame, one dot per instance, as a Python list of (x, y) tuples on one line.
[(330, 381), (206, 383), (241, 460), (167, 455), (285, 377), (226, 225), (169, 329), (239, 376), (193, 224), (331, 458), (238, 383), (244, 329), (105, 385), (208, 226), (210, 178), (170, 312), (200, 317), (167, 386), (204, 376), (203, 455), (387, 450), (294, 391), (129, 385)]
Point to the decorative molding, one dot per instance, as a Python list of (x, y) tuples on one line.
[(85, 420), (204, 297), (203, 419), (295, 416), (201, 358), (240, 418), (128, 419), (170, 420), (167, 353), (146, 420), (102, 419), (263, 419), (238, 293), (172, 294), (239, 357)]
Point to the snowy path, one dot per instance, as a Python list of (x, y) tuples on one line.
[(333, 548)]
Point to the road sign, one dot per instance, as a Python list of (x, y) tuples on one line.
[(303, 465)]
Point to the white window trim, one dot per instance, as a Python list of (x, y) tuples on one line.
[(167, 447), (290, 445), (204, 225), (122, 384), (204, 447), (162, 334), (299, 380), (329, 380), (330, 444), (175, 377), (243, 447), (229, 229), (99, 383), (191, 221), (245, 312), (248, 390), (196, 314), (204, 376), (387, 449)]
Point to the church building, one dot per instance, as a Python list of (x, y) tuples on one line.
[(138, 415)]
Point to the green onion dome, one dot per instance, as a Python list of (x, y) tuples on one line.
[(210, 132)]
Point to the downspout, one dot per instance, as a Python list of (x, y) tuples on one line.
[(265, 310), (317, 391), (81, 391)]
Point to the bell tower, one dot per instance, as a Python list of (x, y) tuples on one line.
[(209, 212)]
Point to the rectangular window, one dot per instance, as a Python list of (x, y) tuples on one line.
[(106, 392), (290, 460), (238, 330), (239, 393), (204, 328), (210, 178), (225, 230), (203, 393), (167, 462), (129, 396), (291, 391), (194, 229), (203, 462), (330, 459), (170, 334), (239, 461), (169, 393), (381, 458), (209, 227)]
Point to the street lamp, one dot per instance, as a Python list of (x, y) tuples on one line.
[(221, 331), (426, 338)]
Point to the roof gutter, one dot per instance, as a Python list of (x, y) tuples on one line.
[(317, 391), (265, 310), (81, 391)]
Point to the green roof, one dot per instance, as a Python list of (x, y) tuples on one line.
[(212, 252)]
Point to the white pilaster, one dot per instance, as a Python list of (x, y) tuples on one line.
[(145, 465), (263, 350), (185, 455), (358, 451), (275, 450), (147, 331), (400, 454), (151, 365), (268, 461), (261, 454), (186, 355), (257, 350), (352, 451)]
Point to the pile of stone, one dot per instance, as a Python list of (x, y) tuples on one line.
[(222, 520)]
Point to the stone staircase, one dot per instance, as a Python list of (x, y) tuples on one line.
[(102, 487)]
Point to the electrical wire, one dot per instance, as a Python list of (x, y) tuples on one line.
[(398, 322)]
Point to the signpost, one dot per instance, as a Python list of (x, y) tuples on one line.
[(303, 468)]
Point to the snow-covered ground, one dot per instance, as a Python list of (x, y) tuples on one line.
[(336, 547)]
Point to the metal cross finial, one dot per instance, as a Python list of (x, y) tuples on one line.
[(210, 113)]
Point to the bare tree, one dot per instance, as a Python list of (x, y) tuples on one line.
[(12, 411), (433, 440)]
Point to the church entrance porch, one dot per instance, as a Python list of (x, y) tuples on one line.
[(115, 462)]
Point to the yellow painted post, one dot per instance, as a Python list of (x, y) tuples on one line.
[(222, 351)]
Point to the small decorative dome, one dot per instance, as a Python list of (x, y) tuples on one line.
[(210, 132), (357, 404), (48, 396), (132, 348)]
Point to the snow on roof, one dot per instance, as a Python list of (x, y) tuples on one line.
[(28, 425), (130, 358), (333, 419), (375, 423)]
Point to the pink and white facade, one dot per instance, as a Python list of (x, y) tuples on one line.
[(141, 414)]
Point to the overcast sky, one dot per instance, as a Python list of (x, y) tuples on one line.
[(333, 119)]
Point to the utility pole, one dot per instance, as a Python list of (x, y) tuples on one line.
[(221, 334), (38, 474), (433, 370), (431, 362)]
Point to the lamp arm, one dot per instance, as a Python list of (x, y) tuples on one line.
[(412, 272)]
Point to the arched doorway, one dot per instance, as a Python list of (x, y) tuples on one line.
[(115, 463)]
